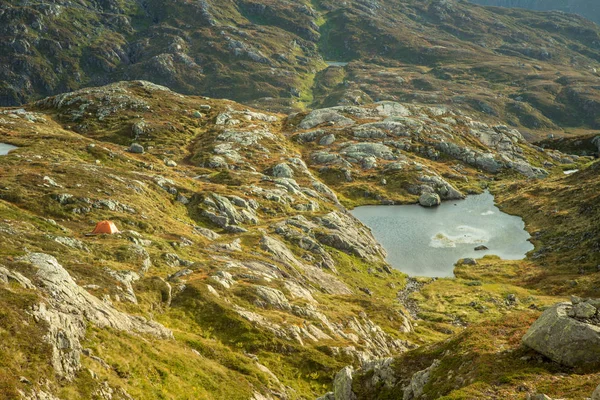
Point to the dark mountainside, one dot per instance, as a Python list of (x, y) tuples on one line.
[(228, 153), (589, 9), (529, 70)]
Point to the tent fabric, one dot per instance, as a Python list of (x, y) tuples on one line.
[(108, 227)]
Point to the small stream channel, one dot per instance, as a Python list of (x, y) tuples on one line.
[(429, 241)]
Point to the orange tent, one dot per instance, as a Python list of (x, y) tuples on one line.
[(108, 227)]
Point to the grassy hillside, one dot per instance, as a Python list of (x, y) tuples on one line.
[(267, 286)]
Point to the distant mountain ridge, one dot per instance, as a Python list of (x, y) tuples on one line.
[(586, 8)]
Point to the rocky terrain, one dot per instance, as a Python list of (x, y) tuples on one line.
[(586, 8), (228, 140), (238, 272), (534, 71)]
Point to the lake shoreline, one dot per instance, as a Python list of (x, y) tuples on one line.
[(429, 241)]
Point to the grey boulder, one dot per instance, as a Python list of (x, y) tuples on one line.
[(136, 148), (282, 170), (563, 339), (596, 394), (430, 200)]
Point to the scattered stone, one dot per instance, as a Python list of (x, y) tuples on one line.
[(430, 200), (182, 199), (180, 274), (327, 140), (212, 291), (207, 233), (272, 297), (136, 148), (62, 198), (224, 279), (51, 182), (540, 396), (330, 116), (282, 170), (582, 311)]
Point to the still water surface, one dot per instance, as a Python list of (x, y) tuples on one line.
[(336, 63), (5, 148), (428, 241)]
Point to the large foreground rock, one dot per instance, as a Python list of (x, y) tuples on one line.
[(66, 309), (563, 339), (596, 394)]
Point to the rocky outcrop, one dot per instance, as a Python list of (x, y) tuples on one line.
[(382, 143), (414, 389), (596, 141), (282, 254), (37, 395), (375, 375), (596, 394), (272, 298), (227, 212), (568, 334), (127, 279), (345, 233), (66, 330), (342, 385), (65, 293), (69, 307), (329, 116), (282, 170), (6, 276)]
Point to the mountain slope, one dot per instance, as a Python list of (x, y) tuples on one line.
[(238, 272), (530, 70), (586, 8)]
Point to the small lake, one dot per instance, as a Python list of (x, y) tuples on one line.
[(429, 241), (6, 148), (336, 63)]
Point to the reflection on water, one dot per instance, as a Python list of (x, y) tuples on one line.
[(428, 241)]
